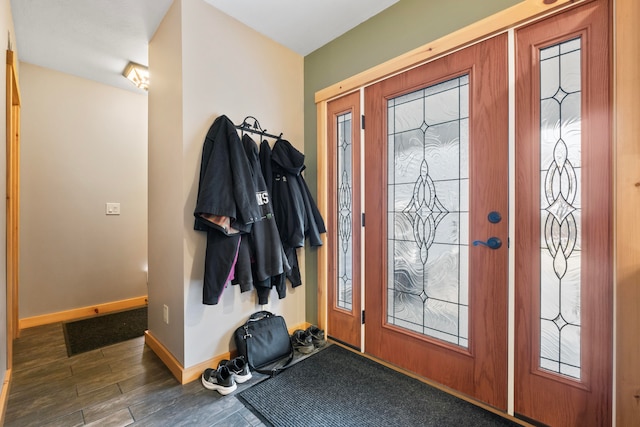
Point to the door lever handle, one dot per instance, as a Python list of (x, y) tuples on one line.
[(492, 243)]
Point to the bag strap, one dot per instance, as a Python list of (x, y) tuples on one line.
[(275, 370), (259, 315)]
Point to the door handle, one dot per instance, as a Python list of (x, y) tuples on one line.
[(492, 243)]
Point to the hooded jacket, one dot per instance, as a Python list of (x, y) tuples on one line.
[(301, 218), (296, 213)]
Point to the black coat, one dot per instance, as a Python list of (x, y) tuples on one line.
[(226, 188), (226, 205), (297, 215), (296, 212), (262, 261)]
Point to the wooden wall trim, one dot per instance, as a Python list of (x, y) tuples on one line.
[(487, 27), (12, 61), (322, 202), (165, 355), (4, 395), (627, 211), (82, 312), (12, 226)]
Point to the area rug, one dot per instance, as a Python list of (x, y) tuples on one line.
[(95, 332), (339, 388)]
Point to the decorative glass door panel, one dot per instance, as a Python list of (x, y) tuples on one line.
[(344, 177), (560, 140), (428, 188)]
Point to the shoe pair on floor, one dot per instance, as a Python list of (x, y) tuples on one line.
[(308, 340), (225, 378)]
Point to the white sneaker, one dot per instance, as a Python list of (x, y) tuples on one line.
[(220, 379), (239, 368)]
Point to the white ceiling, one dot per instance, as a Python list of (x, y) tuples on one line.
[(95, 39)]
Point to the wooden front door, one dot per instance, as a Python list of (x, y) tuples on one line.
[(436, 204), (344, 225), (563, 252)]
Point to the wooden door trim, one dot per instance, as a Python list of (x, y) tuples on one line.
[(13, 200), (627, 269), (321, 202)]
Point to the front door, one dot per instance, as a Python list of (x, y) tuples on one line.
[(563, 252), (436, 204)]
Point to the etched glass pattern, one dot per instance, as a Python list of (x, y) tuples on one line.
[(560, 140), (345, 213), (428, 211)]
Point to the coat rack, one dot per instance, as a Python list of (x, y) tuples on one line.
[(255, 128)]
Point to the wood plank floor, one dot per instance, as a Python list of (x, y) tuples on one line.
[(125, 384)]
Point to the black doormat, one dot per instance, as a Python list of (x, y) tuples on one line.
[(101, 331), (339, 388)]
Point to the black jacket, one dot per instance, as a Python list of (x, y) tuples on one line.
[(261, 251), (296, 212), (297, 215), (226, 189), (226, 205)]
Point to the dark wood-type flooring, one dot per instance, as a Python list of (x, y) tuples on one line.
[(120, 385)]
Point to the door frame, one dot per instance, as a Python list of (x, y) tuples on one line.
[(626, 127), (12, 200)]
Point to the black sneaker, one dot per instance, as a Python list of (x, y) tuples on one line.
[(302, 341), (220, 379), (238, 368), (317, 336)]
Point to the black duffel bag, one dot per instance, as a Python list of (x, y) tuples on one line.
[(265, 343)]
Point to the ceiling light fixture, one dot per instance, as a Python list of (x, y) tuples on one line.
[(137, 74)]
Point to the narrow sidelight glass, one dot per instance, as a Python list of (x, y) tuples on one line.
[(560, 212), (345, 213)]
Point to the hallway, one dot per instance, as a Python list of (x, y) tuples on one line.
[(120, 385)]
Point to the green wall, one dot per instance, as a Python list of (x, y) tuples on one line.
[(402, 27)]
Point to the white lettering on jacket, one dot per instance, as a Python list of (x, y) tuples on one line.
[(262, 197)]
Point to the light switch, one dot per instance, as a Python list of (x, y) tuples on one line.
[(113, 209)]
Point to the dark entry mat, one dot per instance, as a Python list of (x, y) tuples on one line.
[(338, 388), (89, 334)]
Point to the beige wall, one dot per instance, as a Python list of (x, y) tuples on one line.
[(165, 224), (83, 144), (209, 77)]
